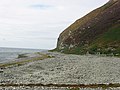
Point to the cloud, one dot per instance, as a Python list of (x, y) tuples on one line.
[(38, 23), (41, 6)]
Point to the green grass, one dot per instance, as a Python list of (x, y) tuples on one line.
[(113, 34), (107, 43), (76, 50)]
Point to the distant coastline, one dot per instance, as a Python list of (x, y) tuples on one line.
[(8, 54)]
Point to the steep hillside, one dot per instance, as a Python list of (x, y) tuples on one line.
[(98, 31)]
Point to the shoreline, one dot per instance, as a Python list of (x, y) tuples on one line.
[(24, 59)]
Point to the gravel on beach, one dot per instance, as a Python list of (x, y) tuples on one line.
[(64, 69)]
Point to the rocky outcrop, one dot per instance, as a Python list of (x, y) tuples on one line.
[(84, 31)]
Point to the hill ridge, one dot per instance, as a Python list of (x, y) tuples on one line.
[(87, 29)]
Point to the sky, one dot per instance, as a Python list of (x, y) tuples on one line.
[(38, 23)]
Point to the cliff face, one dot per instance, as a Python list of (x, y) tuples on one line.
[(100, 28)]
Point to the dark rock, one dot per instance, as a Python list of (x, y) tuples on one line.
[(1, 71)]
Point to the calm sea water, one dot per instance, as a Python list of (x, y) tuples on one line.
[(12, 53)]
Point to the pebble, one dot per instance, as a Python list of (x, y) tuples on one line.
[(64, 69)]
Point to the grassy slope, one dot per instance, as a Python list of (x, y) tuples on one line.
[(112, 36), (108, 42)]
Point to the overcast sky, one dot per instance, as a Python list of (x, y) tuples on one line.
[(38, 23)]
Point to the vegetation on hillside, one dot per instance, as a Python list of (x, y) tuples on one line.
[(107, 43), (96, 33)]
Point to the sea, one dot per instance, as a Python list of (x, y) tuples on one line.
[(7, 54)]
